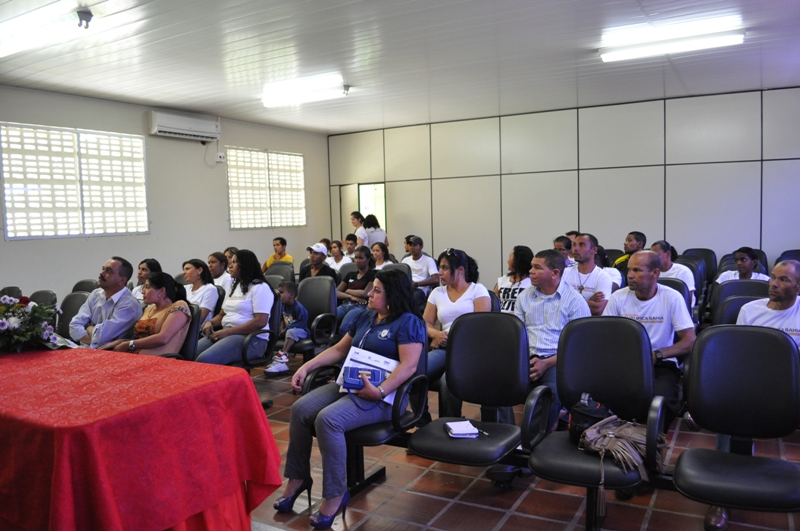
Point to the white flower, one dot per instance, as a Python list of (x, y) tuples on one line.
[(30, 306), (13, 323)]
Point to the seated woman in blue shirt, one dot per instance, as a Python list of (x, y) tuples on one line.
[(390, 327)]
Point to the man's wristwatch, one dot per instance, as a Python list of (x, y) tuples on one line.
[(659, 356), (131, 346)]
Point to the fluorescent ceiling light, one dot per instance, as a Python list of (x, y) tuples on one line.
[(304, 90), (643, 40), (52, 24), (689, 44)]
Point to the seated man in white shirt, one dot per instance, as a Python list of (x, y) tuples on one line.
[(585, 277), (424, 272), (782, 311), (670, 269), (111, 311), (663, 313)]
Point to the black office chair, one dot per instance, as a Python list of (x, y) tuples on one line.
[(378, 433), (681, 287), (402, 267), (613, 255), (274, 280), (88, 285), (69, 307), (744, 381), (727, 263), (500, 379), (188, 350), (283, 269), (728, 310), (697, 267), (11, 291), (44, 297), (220, 300), (609, 358), (710, 259), (496, 304), (347, 268), (318, 296), (179, 279), (755, 288), (304, 263), (791, 254)]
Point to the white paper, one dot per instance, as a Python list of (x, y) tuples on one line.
[(463, 427), (365, 358)]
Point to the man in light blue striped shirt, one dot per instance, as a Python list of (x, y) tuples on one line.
[(545, 308)]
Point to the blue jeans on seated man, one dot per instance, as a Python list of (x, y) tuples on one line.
[(506, 414), (228, 349)]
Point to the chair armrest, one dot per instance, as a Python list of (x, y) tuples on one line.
[(173, 355), (399, 397), (325, 323), (325, 372), (544, 395), (655, 419), (246, 344)]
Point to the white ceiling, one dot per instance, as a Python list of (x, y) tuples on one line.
[(408, 61)]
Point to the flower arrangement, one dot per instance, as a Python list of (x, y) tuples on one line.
[(25, 323)]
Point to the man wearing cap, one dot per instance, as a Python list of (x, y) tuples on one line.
[(424, 271), (316, 263)]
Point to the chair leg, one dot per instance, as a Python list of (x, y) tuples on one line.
[(595, 508), (356, 482)]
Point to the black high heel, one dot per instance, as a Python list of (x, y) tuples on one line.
[(325, 522), (285, 505)]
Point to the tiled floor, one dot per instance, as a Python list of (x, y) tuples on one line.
[(418, 494)]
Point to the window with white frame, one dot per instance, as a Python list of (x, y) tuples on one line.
[(265, 189), (68, 182)]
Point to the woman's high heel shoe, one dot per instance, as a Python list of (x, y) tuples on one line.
[(285, 505), (325, 522)]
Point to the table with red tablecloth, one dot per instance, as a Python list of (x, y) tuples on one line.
[(108, 440)]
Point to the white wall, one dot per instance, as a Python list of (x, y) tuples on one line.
[(187, 201), (718, 171)]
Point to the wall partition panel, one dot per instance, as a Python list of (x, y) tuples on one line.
[(537, 207), (614, 202), (460, 149), (349, 203), (336, 214), (725, 128), (466, 215), (356, 158), (714, 205), (622, 135), (782, 124), (408, 211), (780, 204), (545, 141), (408, 153)]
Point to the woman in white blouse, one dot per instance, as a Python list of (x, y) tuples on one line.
[(459, 293), (380, 253), (337, 259), (146, 266), (201, 289), (361, 233)]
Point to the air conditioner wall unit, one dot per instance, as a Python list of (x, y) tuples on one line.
[(186, 127)]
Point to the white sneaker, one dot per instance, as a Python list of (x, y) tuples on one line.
[(276, 367)]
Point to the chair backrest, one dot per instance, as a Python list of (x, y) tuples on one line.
[(69, 307), (613, 254), (284, 269), (304, 262), (791, 254), (44, 297), (275, 318), (679, 286), (189, 348), (744, 381), (273, 280), (11, 291), (179, 279), (488, 359), (220, 299), (402, 267), (318, 295), (709, 257), (696, 266), (611, 359), (496, 304), (347, 268), (731, 288), (88, 285), (728, 310)]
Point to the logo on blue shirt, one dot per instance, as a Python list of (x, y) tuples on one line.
[(385, 334)]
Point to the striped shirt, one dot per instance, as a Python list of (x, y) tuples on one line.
[(546, 315)]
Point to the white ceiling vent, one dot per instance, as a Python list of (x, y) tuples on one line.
[(186, 127)]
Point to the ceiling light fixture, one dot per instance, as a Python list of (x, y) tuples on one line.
[(634, 42), (304, 90), (52, 24)]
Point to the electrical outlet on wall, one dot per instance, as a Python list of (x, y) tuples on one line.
[(221, 158)]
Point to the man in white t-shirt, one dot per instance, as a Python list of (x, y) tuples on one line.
[(424, 271), (590, 281), (670, 269), (782, 311), (663, 313)]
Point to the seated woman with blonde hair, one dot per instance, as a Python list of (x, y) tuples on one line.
[(164, 323)]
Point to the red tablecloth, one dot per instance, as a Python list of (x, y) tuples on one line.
[(106, 440)]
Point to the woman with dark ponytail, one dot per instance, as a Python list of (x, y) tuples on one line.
[(164, 323)]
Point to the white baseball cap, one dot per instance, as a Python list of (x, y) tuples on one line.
[(318, 248)]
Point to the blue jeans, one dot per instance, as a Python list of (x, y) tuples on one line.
[(228, 349), (346, 312), (436, 362), (330, 414)]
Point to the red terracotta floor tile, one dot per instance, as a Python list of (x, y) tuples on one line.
[(440, 484), (280, 414), (483, 492), (525, 523), (667, 500), (460, 516), (620, 517), (473, 471), (552, 486), (400, 456), (378, 523), (661, 521), (770, 520), (695, 440), (792, 452), (398, 475), (551, 505), (412, 507), (372, 497)]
